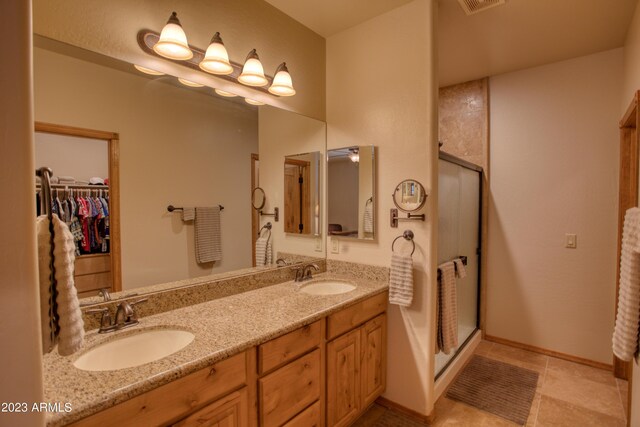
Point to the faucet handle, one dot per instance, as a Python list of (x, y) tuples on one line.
[(104, 293), (140, 301), (105, 319)]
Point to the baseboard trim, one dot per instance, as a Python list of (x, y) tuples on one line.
[(552, 353), (393, 406)]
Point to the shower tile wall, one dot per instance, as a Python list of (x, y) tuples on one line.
[(464, 120)]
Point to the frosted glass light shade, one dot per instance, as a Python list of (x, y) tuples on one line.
[(225, 93), (282, 84), (252, 72), (173, 41), (189, 82), (253, 101), (216, 59), (147, 70)]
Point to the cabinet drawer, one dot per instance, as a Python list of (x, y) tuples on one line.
[(168, 403), (90, 264), (310, 417), (289, 390), (230, 411), (279, 351), (347, 319)]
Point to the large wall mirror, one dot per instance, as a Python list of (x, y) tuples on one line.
[(351, 192), (182, 146)]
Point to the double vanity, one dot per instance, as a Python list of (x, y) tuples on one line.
[(310, 353)]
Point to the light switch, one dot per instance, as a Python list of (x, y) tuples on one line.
[(318, 244), (335, 246), (571, 241)]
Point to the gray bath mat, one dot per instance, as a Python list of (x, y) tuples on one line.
[(502, 389)]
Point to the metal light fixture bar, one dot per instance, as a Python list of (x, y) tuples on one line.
[(148, 38)]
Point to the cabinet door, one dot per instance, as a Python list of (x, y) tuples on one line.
[(230, 411), (374, 364), (343, 379)]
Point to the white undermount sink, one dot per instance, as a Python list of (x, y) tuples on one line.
[(327, 287), (134, 350)]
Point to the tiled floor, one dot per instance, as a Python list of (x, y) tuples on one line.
[(568, 395)]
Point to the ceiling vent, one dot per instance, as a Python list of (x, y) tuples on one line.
[(472, 7)]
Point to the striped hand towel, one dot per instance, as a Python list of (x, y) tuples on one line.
[(207, 235), (367, 225), (625, 334), (447, 311), (264, 254), (188, 214), (461, 272), (401, 280)]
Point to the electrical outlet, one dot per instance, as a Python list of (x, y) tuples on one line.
[(318, 244), (335, 246), (571, 241)]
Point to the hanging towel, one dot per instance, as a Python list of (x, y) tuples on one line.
[(625, 334), (47, 317), (368, 216), (70, 324), (207, 235), (401, 280), (188, 214), (60, 310), (461, 272), (447, 310), (264, 253)]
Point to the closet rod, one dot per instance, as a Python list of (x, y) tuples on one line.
[(78, 186)]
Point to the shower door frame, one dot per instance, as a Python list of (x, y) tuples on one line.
[(471, 166)]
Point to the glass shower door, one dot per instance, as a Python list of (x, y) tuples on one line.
[(459, 235)]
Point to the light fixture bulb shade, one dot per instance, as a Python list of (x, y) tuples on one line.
[(173, 41), (225, 93), (282, 84), (189, 82), (252, 72), (147, 70), (253, 101), (216, 59)]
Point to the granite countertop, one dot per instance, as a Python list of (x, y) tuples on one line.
[(222, 328)]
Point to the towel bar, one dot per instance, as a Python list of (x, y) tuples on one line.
[(172, 208)]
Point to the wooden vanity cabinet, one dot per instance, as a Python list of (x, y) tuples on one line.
[(356, 360)]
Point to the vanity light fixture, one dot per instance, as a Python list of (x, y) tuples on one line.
[(282, 84), (253, 101), (173, 41), (189, 82), (216, 59), (225, 93), (252, 71), (147, 70)]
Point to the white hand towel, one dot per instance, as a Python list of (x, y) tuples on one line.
[(47, 317), (62, 323), (447, 313), (461, 272), (401, 280), (70, 324), (264, 254), (207, 235), (625, 334), (368, 216)]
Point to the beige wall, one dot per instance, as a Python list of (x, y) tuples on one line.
[(20, 360), (630, 84), (110, 28), (554, 162), (283, 133), (393, 108), (81, 158), (176, 147)]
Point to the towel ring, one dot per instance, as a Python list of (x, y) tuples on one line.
[(407, 235)]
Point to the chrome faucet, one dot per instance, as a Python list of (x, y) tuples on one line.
[(304, 273), (125, 316)]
